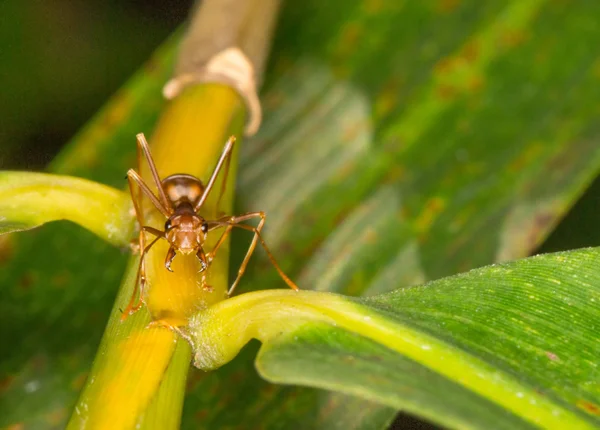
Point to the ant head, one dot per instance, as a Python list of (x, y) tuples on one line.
[(170, 226), (186, 232)]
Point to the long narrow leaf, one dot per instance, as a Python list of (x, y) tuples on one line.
[(515, 345)]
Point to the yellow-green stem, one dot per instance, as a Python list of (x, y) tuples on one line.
[(137, 365), (138, 376)]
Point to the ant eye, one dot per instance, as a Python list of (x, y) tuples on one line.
[(204, 228), (168, 225)]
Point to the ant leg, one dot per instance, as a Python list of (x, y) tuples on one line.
[(221, 240), (235, 222), (136, 198), (223, 182), (202, 258), (135, 177), (137, 206), (169, 258), (145, 148), (225, 156), (140, 277)]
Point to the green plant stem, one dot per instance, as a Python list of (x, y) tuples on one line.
[(137, 364), (139, 374)]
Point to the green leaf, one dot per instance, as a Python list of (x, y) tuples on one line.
[(487, 172), (514, 344), (363, 198), (28, 200)]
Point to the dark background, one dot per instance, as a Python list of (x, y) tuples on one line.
[(60, 60)]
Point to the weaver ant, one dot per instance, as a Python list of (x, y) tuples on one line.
[(180, 198)]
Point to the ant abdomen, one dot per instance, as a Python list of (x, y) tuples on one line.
[(183, 188)]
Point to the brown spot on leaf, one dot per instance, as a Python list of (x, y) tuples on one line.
[(544, 219), (387, 99), (373, 6), (237, 377), (470, 52), (27, 280), (311, 248), (447, 92), (540, 227), (349, 38), (274, 100), (333, 402), (6, 382), (528, 157), (433, 207), (351, 33), (340, 217), (465, 266), (474, 83), (151, 66), (346, 171), (552, 356), (270, 389), (195, 377), (444, 66), (6, 248), (458, 74), (404, 213), (56, 417), (61, 279), (396, 173), (589, 407), (447, 6), (286, 247), (202, 414), (79, 381), (512, 38)]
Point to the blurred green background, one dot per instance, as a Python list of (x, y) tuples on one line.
[(61, 60)]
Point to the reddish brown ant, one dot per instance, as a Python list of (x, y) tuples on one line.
[(180, 198)]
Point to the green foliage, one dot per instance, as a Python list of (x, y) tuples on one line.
[(514, 344), (403, 141), (28, 200)]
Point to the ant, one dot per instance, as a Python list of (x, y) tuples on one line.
[(180, 198)]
